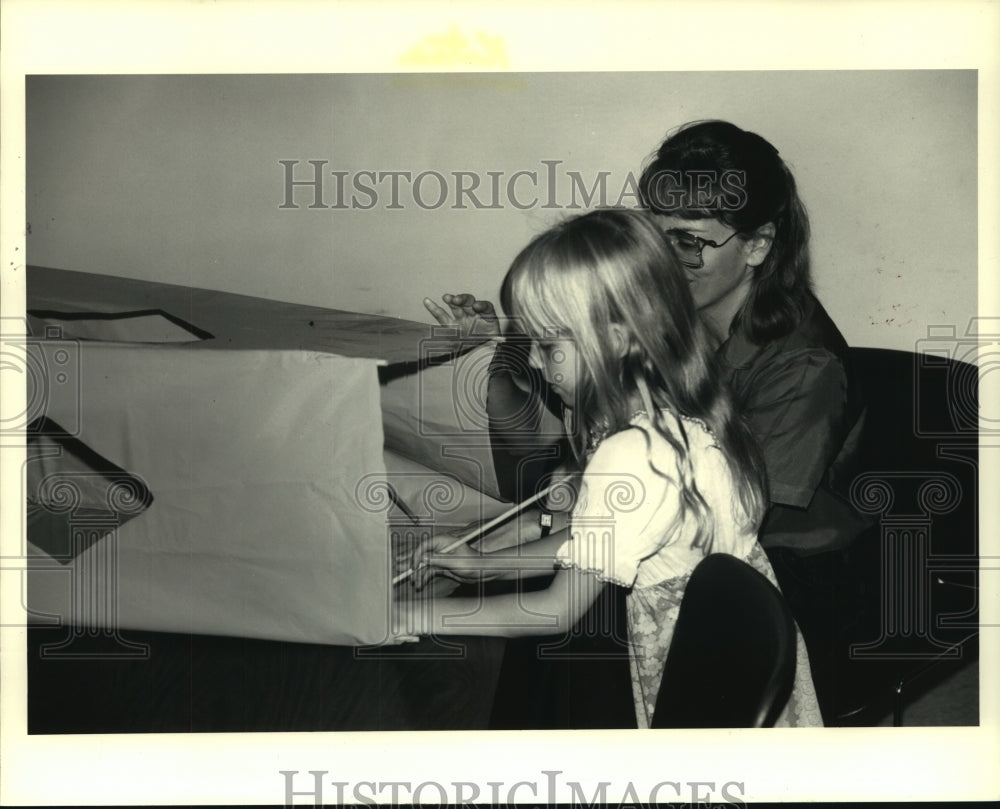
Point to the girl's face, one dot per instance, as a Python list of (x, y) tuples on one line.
[(556, 359)]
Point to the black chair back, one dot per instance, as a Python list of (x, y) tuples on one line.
[(732, 659), (916, 570)]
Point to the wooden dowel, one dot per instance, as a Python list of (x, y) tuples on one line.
[(480, 530)]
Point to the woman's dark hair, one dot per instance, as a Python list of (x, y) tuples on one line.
[(715, 170)]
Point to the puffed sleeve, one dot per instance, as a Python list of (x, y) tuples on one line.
[(795, 407), (626, 510)]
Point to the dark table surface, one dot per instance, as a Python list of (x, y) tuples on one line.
[(147, 682)]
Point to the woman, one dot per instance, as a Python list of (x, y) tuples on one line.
[(729, 207)]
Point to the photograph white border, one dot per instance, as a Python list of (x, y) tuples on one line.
[(317, 37)]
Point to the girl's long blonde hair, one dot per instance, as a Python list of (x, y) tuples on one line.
[(614, 266)]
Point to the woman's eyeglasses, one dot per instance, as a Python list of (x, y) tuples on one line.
[(688, 246)]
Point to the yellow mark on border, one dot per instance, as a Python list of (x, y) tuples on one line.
[(456, 49)]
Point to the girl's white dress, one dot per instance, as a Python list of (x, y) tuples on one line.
[(627, 528)]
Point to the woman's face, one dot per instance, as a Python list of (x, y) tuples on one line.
[(556, 359), (724, 278)]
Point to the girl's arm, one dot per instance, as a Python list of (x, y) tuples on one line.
[(551, 611), (535, 558), (523, 529)]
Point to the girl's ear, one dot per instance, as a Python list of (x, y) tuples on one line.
[(759, 245), (619, 340)]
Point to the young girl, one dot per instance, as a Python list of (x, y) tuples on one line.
[(671, 473)]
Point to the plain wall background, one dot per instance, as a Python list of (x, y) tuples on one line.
[(177, 179)]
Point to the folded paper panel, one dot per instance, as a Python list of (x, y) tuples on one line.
[(233, 321), (253, 459), (433, 407), (437, 417), (144, 326), (434, 498), (65, 479), (255, 452)]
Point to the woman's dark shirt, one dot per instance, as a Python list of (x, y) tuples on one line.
[(796, 394), (805, 410)]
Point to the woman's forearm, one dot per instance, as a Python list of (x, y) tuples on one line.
[(519, 403), (527, 436)]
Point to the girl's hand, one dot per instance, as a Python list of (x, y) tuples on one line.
[(475, 321), (429, 559), (404, 560)]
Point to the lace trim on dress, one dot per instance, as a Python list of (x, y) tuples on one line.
[(596, 435), (601, 574)]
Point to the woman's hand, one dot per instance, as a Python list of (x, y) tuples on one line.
[(475, 321)]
